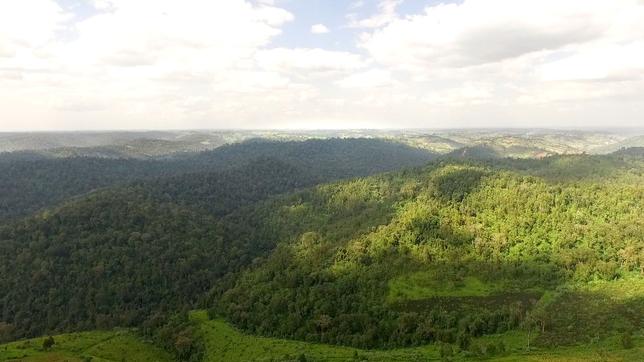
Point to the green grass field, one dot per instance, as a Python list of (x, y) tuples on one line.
[(575, 334), (423, 285), (95, 346), (225, 343)]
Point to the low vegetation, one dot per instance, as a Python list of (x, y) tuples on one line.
[(225, 343), (112, 346)]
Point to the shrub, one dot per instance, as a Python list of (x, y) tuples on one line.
[(48, 342), (446, 350), (627, 340)]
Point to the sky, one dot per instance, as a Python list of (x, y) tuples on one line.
[(320, 64)]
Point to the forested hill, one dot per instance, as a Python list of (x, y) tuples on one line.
[(219, 193), (166, 225), (119, 256), (328, 158), (444, 253), (450, 253), (27, 185)]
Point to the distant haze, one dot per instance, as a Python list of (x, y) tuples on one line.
[(320, 64)]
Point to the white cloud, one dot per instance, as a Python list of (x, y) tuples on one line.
[(319, 29), (478, 32), (607, 62), (250, 81), (370, 79), (464, 95), (310, 60), (24, 28), (199, 63), (385, 15), (137, 61), (518, 54), (191, 34)]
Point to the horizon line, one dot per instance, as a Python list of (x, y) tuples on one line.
[(278, 129)]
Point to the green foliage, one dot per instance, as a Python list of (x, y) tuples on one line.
[(457, 183), (462, 255), (177, 334), (626, 340), (48, 342), (86, 346), (584, 315), (28, 186), (223, 342), (129, 252), (32, 183), (446, 351), (479, 152), (446, 254), (118, 257), (426, 284)]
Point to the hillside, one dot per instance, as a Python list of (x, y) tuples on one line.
[(321, 181), (447, 254), (29, 185), (113, 144), (225, 343), (166, 225), (114, 346), (634, 141), (540, 142), (164, 232)]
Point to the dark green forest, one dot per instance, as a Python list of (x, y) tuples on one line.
[(311, 241), (30, 182)]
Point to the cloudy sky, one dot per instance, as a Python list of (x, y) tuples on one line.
[(164, 64)]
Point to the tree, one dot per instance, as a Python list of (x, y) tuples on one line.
[(48, 342), (627, 340)]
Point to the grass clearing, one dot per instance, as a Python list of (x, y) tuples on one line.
[(425, 284), (593, 312), (95, 346), (225, 343)]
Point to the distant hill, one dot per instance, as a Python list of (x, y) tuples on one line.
[(536, 143), (475, 152), (120, 146), (149, 144), (434, 143), (137, 149), (327, 158), (630, 151), (32, 182), (635, 141), (36, 141)]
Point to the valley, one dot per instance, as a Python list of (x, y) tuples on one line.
[(323, 250)]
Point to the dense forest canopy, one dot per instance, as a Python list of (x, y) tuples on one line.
[(29, 184), (365, 263), (296, 240)]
